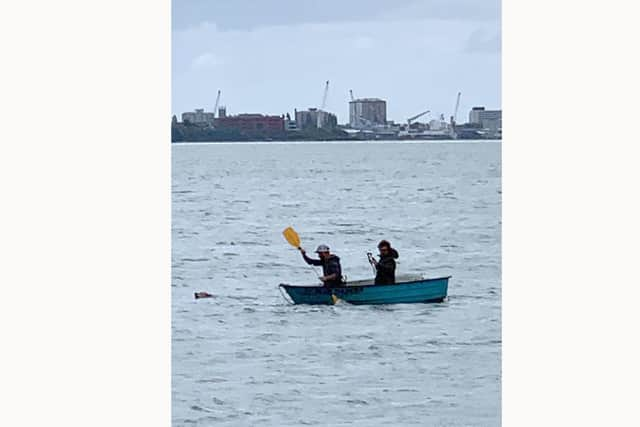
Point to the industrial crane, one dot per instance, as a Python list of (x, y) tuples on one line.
[(454, 118), (215, 108), (324, 103), (417, 116), (324, 97)]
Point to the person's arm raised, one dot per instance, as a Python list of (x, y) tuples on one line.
[(308, 260)]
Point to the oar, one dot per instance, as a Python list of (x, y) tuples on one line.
[(292, 237), (294, 240)]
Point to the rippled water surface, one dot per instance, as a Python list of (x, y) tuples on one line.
[(247, 358)]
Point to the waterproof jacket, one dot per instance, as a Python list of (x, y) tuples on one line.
[(329, 266), (386, 269)]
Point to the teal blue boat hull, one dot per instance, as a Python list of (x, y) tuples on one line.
[(415, 291)]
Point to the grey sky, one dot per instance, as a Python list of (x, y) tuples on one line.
[(273, 56)]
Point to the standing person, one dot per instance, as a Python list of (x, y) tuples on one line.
[(386, 266), (331, 270)]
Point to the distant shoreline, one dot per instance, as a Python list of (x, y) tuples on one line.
[(346, 141), (181, 132)]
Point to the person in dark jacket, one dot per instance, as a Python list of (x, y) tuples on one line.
[(331, 270), (386, 266)]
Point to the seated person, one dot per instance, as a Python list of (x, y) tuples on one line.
[(331, 270), (386, 266)]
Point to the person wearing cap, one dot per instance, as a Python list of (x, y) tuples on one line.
[(386, 266), (331, 270)]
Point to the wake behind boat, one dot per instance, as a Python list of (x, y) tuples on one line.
[(406, 290)]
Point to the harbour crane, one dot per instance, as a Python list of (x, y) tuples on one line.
[(324, 103), (215, 107), (324, 97), (454, 118), (417, 116)]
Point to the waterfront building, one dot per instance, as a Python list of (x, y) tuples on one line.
[(315, 118), (251, 124), (437, 124), (199, 116), (487, 119), (367, 112), (289, 124)]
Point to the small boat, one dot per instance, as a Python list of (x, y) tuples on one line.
[(406, 290)]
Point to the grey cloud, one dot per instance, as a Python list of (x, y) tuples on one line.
[(456, 10), (250, 14)]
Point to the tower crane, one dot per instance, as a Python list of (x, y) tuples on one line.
[(215, 107)]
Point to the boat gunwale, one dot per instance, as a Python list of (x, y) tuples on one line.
[(366, 286)]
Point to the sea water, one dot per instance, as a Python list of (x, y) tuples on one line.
[(247, 358)]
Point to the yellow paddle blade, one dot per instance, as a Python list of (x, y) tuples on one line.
[(292, 237), (335, 299)]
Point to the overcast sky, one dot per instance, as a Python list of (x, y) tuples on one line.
[(272, 56)]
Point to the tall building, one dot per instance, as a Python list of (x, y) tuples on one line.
[(367, 112), (314, 118), (199, 116), (488, 119)]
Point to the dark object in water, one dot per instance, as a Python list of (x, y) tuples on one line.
[(199, 295)]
